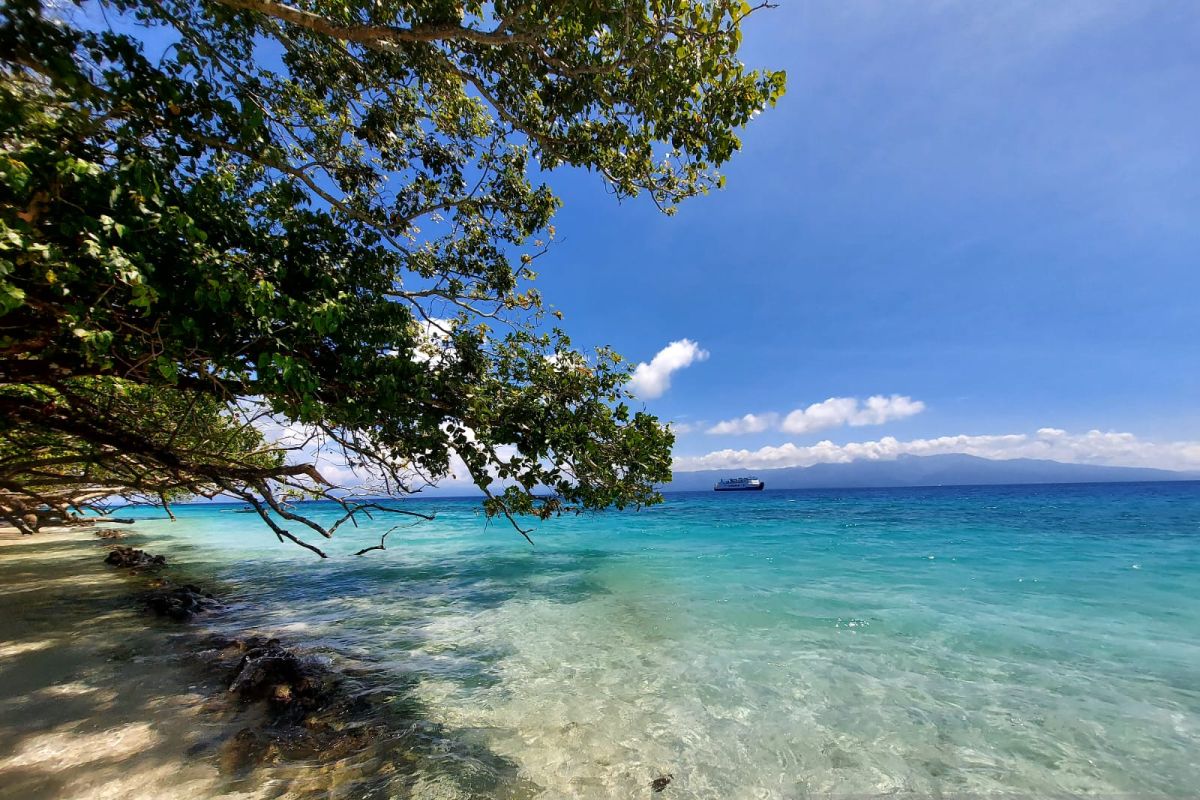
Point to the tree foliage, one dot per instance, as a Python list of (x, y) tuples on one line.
[(92, 438), (330, 212)]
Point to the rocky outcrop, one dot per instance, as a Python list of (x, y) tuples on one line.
[(180, 603), (290, 684), (254, 747), (165, 599), (128, 557), (309, 714)]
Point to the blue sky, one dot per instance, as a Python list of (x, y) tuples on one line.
[(985, 215), (989, 209)]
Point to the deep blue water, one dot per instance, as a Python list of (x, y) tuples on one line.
[(944, 641)]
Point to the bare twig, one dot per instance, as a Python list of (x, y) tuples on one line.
[(382, 541)]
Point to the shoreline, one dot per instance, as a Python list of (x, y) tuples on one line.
[(104, 699), (95, 704), (1009, 643)]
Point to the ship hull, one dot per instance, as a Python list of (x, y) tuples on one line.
[(757, 488)]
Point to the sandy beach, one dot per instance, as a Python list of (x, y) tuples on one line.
[(97, 700)]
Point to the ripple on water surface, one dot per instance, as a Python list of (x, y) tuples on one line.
[(939, 641)]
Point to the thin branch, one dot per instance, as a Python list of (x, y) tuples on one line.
[(379, 36), (166, 506), (381, 545), (363, 508)]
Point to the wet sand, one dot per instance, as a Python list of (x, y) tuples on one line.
[(95, 701)]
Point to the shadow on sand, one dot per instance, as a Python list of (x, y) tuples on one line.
[(99, 700)]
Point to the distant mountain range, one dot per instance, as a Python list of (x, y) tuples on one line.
[(955, 469)]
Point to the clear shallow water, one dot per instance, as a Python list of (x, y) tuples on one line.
[(941, 642)]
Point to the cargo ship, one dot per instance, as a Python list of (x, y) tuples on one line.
[(739, 485)]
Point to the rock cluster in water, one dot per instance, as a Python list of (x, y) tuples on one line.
[(129, 557), (661, 782), (271, 672), (180, 603), (307, 714)]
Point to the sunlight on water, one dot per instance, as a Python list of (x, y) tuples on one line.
[(944, 641)]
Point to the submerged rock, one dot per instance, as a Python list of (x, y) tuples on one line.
[(244, 750), (180, 603), (288, 683), (310, 717), (136, 559), (661, 782), (255, 747)]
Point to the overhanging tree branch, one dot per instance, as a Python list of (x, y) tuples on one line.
[(379, 35)]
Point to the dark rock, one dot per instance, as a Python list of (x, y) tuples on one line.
[(135, 559), (661, 782), (306, 719), (180, 603), (336, 745), (289, 684)]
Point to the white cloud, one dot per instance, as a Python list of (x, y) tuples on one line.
[(751, 423), (832, 413), (652, 380), (1093, 447), (838, 411)]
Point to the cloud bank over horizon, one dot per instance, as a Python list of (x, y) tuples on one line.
[(1055, 444), (834, 412)]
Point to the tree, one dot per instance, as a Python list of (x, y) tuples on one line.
[(155, 441), (330, 213)]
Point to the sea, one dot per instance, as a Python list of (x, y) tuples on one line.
[(1017, 641)]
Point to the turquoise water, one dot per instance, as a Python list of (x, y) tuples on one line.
[(936, 642)]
